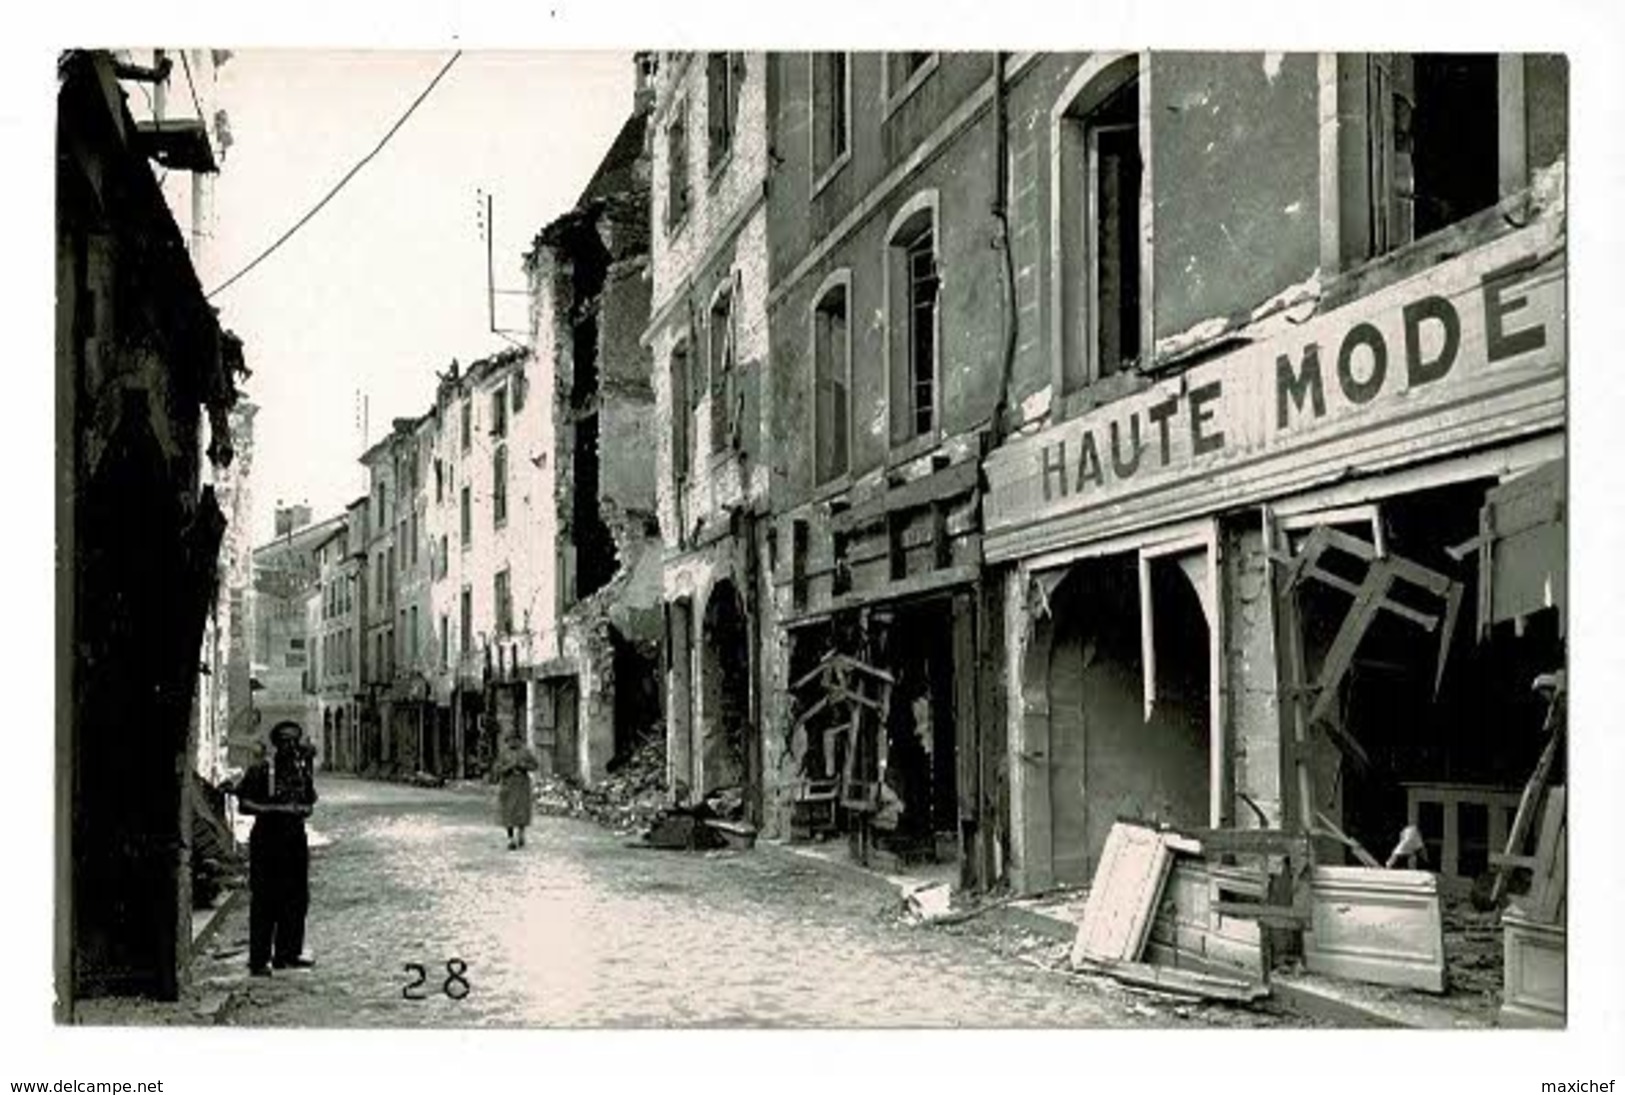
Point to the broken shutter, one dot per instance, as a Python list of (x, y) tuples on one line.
[(734, 391), (1522, 548)]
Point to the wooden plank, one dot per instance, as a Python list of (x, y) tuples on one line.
[(1524, 818), (952, 481), (1148, 641), (1124, 895), (1549, 878), (1186, 982), (1421, 619), (1289, 916), (1341, 652), (1331, 828)]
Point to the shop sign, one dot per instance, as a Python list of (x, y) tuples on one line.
[(1436, 359)]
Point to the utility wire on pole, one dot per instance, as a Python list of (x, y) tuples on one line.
[(348, 175)]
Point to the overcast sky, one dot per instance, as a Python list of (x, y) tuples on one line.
[(387, 283)]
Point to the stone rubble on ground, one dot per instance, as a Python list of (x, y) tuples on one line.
[(627, 800)]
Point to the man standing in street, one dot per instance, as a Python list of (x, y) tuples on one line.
[(278, 791)]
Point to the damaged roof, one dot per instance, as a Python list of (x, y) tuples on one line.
[(617, 172), (617, 185)]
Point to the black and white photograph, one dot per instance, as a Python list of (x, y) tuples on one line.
[(559, 535)]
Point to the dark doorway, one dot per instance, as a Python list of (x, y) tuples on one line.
[(725, 691)]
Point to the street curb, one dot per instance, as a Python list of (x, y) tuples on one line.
[(872, 878), (1062, 931)]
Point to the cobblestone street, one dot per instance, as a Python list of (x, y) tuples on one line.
[(577, 929)]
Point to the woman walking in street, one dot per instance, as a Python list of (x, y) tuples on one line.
[(515, 763)]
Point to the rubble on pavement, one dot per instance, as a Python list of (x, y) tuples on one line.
[(627, 800)]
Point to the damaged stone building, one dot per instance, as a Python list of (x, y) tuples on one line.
[(890, 331), (708, 333), (592, 690), (1229, 542), (146, 382), (1086, 470)]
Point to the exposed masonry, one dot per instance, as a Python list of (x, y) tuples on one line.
[(1254, 699)]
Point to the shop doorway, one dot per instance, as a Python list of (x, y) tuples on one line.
[(1445, 728), (1124, 743)]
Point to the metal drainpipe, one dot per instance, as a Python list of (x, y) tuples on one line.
[(1001, 213), (987, 822)]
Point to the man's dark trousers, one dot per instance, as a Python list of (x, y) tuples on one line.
[(279, 889)]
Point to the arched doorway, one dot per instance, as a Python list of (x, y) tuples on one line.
[(1104, 757), (724, 708)]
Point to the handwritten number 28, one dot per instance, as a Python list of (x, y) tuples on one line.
[(455, 986)]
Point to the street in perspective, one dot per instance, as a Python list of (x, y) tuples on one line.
[(812, 539)]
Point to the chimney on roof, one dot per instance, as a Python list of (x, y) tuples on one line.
[(647, 63)]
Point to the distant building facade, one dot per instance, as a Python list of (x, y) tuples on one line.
[(287, 625)]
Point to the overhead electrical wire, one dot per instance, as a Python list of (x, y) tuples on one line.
[(348, 175)]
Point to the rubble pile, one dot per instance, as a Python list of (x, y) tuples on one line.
[(627, 799), (1473, 951)]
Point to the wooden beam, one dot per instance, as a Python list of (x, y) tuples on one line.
[(1148, 643), (952, 481), (1341, 653), (1185, 982), (1285, 916), (1525, 817), (1426, 622), (1331, 829)]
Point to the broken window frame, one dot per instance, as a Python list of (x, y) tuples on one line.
[(916, 222), (724, 76), (499, 486), (829, 115), (720, 331), (678, 195), (832, 378), (502, 601), (499, 411), (1074, 245), (901, 74), (1359, 96), (678, 364), (1105, 268)]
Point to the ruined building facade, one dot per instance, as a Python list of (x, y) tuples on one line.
[(1054, 382), (1231, 545), (592, 693)]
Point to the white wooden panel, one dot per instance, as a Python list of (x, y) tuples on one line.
[(1377, 925), (1124, 895)]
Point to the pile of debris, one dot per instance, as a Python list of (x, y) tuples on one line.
[(627, 799), (716, 821)]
